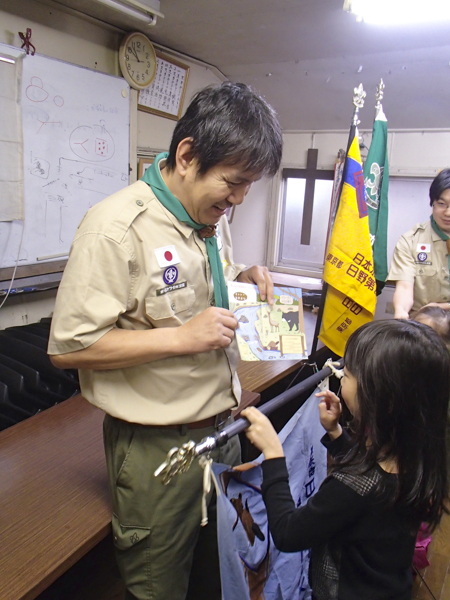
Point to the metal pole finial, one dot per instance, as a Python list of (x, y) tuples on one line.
[(379, 94), (358, 101), (379, 114)]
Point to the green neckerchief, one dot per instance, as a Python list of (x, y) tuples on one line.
[(442, 235), (153, 178)]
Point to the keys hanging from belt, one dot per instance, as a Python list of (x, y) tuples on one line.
[(178, 461)]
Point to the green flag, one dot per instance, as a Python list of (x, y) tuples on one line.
[(376, 182)]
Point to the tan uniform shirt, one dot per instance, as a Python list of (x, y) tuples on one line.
[(133, 265), (420, 257)]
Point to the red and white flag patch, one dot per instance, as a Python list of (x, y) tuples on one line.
[(167, 256)]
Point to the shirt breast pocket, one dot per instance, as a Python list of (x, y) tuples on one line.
[(425, 271), (171, 309), (427, 285)]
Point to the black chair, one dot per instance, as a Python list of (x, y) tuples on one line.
[(33, 381), (22, 333), (9, 414), (14, 412), (6, 422), (38, 359), (18, 395), (34, 328), (7, 409)]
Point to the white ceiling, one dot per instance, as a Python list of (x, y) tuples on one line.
[(306, 57), (313, 51)]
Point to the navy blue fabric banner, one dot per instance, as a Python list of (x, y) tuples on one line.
[(251, 567)]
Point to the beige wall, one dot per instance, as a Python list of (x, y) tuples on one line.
[(411, 154), (60, 35)]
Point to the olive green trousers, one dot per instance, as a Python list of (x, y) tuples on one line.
[(162, 551)]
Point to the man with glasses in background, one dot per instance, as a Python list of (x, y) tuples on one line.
[(420, 264)]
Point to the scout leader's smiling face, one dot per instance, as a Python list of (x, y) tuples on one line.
[(206, 197)]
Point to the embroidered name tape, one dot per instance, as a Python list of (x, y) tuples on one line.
[(167, 256), (171, 288)]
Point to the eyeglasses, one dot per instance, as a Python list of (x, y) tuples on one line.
[(441, 205)]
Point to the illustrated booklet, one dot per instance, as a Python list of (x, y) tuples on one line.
[(268, 332)]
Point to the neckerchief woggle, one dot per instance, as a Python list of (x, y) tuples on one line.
[(442, 235), (153, 178)]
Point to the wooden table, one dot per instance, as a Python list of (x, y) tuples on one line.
[(258, 376), (54, 498)]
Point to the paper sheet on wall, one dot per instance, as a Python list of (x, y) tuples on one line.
[(11, 154)]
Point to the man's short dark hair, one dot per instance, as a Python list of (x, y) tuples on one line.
[(233, 125), (440, 183)]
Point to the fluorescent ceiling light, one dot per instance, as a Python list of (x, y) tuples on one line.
[(153, 6), (147, 6), (148, 17), (399, 12)]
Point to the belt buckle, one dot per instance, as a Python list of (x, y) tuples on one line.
[(221, 419)]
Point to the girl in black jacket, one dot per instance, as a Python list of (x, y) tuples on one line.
[(389, 474)]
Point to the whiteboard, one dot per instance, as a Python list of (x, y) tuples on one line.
[(76, 124)]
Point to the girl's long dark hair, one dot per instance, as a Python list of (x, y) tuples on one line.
[(403, 374)]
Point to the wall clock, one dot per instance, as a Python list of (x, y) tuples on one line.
[(137, 60)]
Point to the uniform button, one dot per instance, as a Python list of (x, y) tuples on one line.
[(446, 277), (212, 303), (139, 203), (172, 306), (420, 271)]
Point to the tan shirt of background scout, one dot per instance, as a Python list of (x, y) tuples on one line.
[(430, 277)]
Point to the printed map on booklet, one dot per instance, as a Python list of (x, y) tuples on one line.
[(268, 332)]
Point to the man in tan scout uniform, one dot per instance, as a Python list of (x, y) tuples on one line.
[(142, 312), (420, 264)]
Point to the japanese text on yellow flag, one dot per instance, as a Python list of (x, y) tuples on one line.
[(351, 297)]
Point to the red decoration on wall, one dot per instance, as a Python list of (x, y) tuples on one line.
[(26, 39)]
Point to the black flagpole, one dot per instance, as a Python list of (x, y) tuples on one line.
[(358, 101)]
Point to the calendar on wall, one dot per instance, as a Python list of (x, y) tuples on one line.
[(165, 95)]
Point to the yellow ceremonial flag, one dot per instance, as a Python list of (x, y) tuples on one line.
[(351, 296)]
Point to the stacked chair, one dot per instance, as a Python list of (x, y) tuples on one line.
[(29, 383)]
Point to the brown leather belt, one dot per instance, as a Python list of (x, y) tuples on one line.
[(215, 421)]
